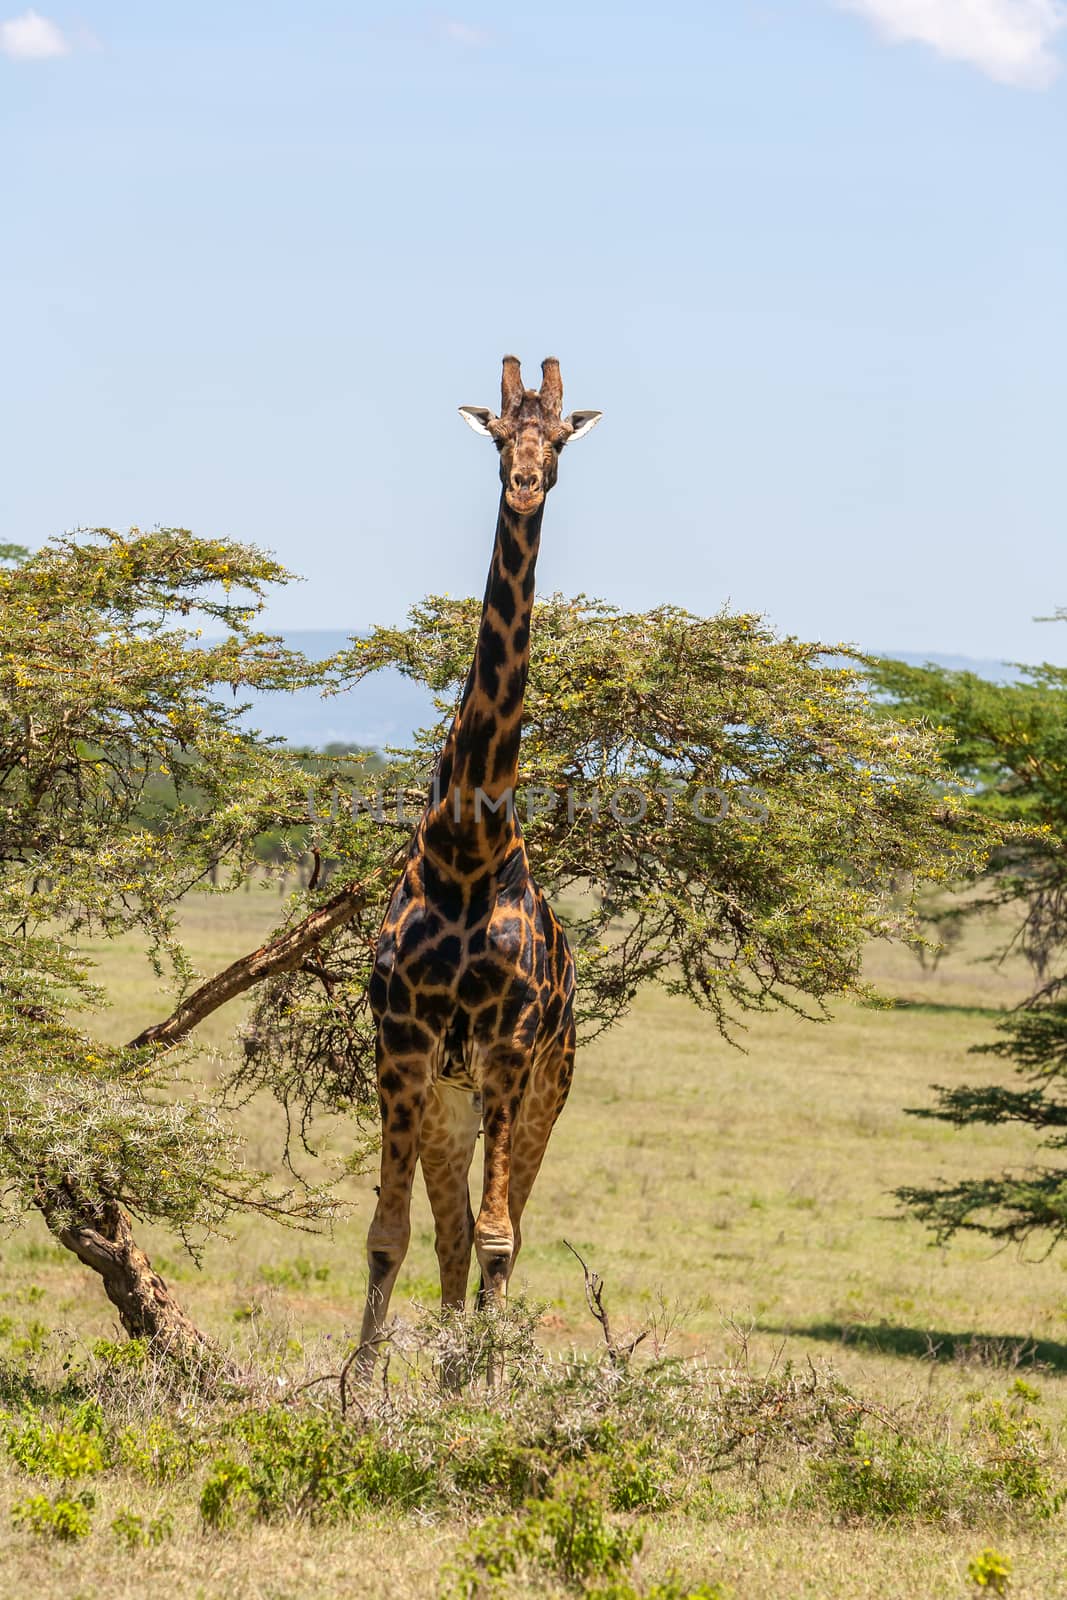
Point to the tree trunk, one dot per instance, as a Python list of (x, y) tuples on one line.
[(102, 1238), (100, 1233)]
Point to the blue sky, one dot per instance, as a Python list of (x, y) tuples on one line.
[(808, 257)]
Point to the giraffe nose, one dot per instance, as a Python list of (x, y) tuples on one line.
[(526, 482)]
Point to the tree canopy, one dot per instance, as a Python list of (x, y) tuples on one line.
[(773, 821), (108, 696), (715, 809), (1008, 742)]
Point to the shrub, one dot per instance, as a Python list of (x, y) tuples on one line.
[(466, 1345), (129, 1355), (990, 1570), (56, 1519), (315, 1466), (159, 1451), (73, 1449), (998, 1463), (498, 1467), (1014, 1447), (136, 1534), (566, 1534), (641, 1477), (886, 1477), (225, 1492)]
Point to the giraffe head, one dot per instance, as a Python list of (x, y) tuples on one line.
[(529, 433)]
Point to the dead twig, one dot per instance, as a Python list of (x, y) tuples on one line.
[(353, 1355), (618, 1354)]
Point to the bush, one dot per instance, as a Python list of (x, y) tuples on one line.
[(990, 1570), (1014, 1446), (499, 1467), (641, 1478), (225, 1494), (566, 1534), (314, 1466), (74, 1449), (999, 1463), (136, 1534), (886, 1477), (56, 1519), (159, 1451), (130, 1355)]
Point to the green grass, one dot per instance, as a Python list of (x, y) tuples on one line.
[(718, 1193)]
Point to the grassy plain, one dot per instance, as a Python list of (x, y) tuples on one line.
[(718, 1193)]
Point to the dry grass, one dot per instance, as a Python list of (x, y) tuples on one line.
[(711, 1189)]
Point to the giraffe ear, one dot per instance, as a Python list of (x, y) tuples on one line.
[(580, 423), (478, 418)]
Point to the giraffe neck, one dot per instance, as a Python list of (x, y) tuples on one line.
[(479, 763)]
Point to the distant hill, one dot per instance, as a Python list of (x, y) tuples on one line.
[(995, 671), (388, 707)]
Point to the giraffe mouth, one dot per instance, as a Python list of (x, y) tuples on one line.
[(524, 504)]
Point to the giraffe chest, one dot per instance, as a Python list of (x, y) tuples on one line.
[(482, 963)]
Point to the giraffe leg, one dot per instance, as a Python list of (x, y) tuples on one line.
[(449, 1133), (493, 1232), (546, 1095), (546, 1088), (402, 1085)]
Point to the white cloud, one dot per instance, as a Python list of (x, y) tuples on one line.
[(464, 33), (32, 38), (1009, 40)]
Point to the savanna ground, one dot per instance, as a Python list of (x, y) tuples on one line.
[(737, 1203)]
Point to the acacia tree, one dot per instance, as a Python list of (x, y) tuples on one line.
[(1008, 743), (713, 809), (126, 779)]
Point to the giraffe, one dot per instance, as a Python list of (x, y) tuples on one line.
[(473, 983)]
